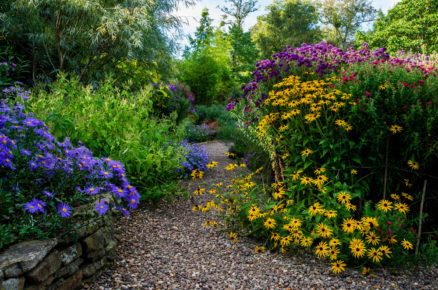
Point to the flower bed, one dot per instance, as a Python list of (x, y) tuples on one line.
[(352, 139), (48, 186)]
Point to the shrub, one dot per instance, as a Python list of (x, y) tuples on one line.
[(199, 133), (113, 123), (168, 99), (44, 181)]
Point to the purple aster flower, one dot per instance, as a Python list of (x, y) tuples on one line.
[(40, 205), (101, 207), (25, 152), (92, 190), (33, 164), (123, 210), (133, 203), (64, 210), (35, 205), (106, 174), (31, 207), (48, 193)]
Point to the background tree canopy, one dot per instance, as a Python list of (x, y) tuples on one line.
[(90, 37), (286, 23), (410, 25)]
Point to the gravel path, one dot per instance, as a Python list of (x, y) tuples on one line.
[(169, 247)]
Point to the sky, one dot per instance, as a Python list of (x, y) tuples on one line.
[(193, 14)]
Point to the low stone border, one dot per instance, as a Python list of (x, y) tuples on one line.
[(60, 263)]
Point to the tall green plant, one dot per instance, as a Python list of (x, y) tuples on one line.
[(113, 123)]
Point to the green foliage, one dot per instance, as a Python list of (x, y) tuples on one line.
[(286, 23), (345, 17), (204, 68), (243, 54), (90, 37), (12, 68), (412, 25), (239, 10), (114, 123)]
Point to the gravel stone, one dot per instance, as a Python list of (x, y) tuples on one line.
[(167, 246)]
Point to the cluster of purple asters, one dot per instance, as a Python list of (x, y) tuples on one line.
[(55, 175), (195, 157), (199, 133)]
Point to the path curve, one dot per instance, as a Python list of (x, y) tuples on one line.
[(169, 247)]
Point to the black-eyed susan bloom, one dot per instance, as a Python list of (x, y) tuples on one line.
[(334, 242), (323, 230), (395, 196), (357, 247), (384, 205), (233, 236), (258, 249), (386, 251), (315, 209), (333, 253), (338, 266), (372, 238), (306, 152), (285, 241), (306, 180), (349, 225), (407, 245), (322, 249), (375, 255), (402, 207), (395, 129), (407, 196), (330, 213), (269, 223), (413, 165), (343, 197), (275, 236), (295, 223), (306, 241)]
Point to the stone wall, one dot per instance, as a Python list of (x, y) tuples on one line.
[(62, 263)]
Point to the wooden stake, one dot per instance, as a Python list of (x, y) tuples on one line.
[(386, 169), (421, 217)]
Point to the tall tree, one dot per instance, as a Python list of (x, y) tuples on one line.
[(204, 67), (289, 22), (243, 53), (203, 34), (410, 25), (345, 17), (239, 10), (88, 36)]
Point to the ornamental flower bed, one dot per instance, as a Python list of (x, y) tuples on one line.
[(352, 140), (45, 182)]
